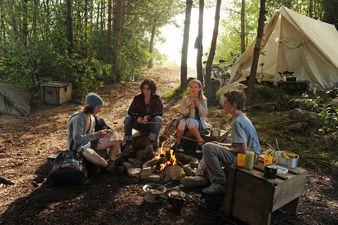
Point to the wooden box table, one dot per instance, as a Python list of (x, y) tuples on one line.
[(252, 198)]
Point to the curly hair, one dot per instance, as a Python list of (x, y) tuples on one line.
[(237, 97), (151, 83)]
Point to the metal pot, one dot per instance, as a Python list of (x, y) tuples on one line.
[(290, 163), (176, 198), (153, 192)]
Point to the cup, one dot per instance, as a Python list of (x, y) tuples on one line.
[(268, 159), (241, 159), (270, 171)]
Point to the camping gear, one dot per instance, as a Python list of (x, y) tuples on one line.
[(153, 192), (296, 44), (176, 198), (56, 93), (67, 168), (287, 159)]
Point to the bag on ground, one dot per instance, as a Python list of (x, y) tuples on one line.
[(67, 168)]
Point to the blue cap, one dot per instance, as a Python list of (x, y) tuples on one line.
[(93, 99)]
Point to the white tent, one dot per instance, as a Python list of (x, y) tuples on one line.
[(293, 42)]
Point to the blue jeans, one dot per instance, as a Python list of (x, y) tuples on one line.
[(152, 129)]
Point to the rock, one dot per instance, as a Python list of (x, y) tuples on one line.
[(188, 170), (150, 163), (229, 87), (296, 102), (134, 172), (306, 116), (145, 154), (13, 101), (176, 172), (194, 181), (154, 178), (127, 165), (146, 172), (265, 107)]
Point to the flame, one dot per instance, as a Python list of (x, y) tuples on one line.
[(171, 161)]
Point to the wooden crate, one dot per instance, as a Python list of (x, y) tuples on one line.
[(55, 93), (252, 198)]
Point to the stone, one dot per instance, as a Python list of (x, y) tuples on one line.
[(176, 172), (134, 172), (306, 116), (127, 165), (188, 170), (14, 101), (154, 178), (146, 172)]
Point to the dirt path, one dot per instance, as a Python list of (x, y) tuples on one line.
[(26, 142)]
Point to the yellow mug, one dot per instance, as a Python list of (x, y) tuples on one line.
[(268, 159), (241, 158)]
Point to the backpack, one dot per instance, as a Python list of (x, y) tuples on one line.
[(68, 168)]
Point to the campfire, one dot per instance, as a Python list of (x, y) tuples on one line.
[(166, 165), (165, 158)]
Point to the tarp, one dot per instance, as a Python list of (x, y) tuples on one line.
[(296, 43)]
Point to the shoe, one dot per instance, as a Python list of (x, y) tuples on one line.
[(199, 172), (110, 167), (177, 147), (128, 149), (198, 149), (214, 189)]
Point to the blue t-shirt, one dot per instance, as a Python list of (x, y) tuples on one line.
[(243, 131)]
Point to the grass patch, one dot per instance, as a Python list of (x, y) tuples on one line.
[(172, 93)]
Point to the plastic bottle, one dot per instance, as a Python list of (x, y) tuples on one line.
[(192, 109), (250, 156)]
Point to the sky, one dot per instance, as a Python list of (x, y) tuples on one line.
[(174, 37)]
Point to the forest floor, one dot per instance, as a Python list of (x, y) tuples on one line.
[(26, 142)]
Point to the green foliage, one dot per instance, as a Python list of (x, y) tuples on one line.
[(173, 92), (33, 41), (134, 56), (327, 110), (85, 75), (229, 40)]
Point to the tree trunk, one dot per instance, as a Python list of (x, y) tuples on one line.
[(243, 27), (184, 67), (118, 23), (110, 42), (151, 45), (3, 27), (85, 30), (101, 23), (199, 42), (69, 20), (25, 22), (212, 50), (257, 49)]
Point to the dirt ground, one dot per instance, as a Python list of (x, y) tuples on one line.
[(25, 143)]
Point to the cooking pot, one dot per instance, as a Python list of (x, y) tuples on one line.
[(176, 198), (153, 192)]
